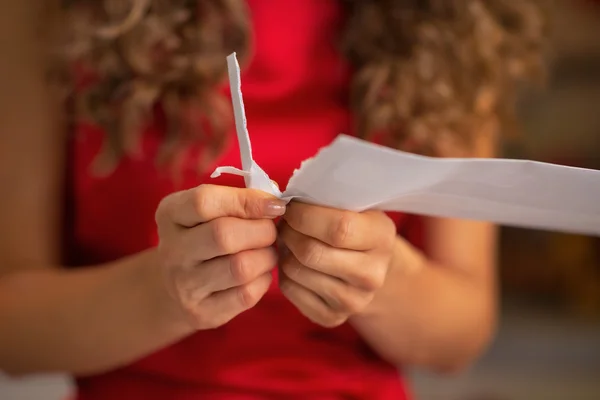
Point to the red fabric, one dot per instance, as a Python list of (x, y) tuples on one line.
[(295, 90)]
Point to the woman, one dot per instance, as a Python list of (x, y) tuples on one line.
[(193, 309)]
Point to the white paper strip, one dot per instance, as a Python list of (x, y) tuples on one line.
[(355, 175), (254, 176)]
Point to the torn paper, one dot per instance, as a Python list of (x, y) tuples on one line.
[(254, 176), (356, 175)]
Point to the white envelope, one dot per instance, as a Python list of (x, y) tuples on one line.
[(356, 175)]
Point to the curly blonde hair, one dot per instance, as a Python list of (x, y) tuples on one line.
[(426, 72)]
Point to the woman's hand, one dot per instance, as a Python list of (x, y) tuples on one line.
[(215, 251), (337, 260)]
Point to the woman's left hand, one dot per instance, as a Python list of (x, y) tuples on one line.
[(337, 260)]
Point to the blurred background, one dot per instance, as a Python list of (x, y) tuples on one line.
[(548, 344)]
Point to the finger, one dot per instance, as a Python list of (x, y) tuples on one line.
[(336, 293), (310, 304), (354, 267), (222, 307), (225, 236), (341, 229), (235, 270), (208, 202)]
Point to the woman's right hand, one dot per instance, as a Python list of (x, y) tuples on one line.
[(216, 251)]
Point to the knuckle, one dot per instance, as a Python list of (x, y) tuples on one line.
[(190, 309), (194, 314), (200, 321), (312, 254), (270, 256), (342, 229), (291, 269), (265, 231), (160, 212), (271, 234), (336, 322), (218, 321), (372, 279), (201, 198), (284, 285), (178, 283), (250, 206), (170, 256), (239, 268), (172, 285), (349, 303), (248, 297), (332, 320), (325, 316), (337, 297), (189, 295), (381, 271), (221, 230), (162, 215)]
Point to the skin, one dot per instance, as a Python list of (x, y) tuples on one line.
[(411, 309), (436, 311), (345, 266)]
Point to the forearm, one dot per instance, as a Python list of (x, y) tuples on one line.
[(83, 321), (428, 315)]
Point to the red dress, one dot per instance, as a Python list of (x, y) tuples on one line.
[(295, 91)]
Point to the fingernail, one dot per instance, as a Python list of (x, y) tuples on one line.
[(274, 208)]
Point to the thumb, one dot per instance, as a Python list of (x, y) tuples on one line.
[(207, 202)]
